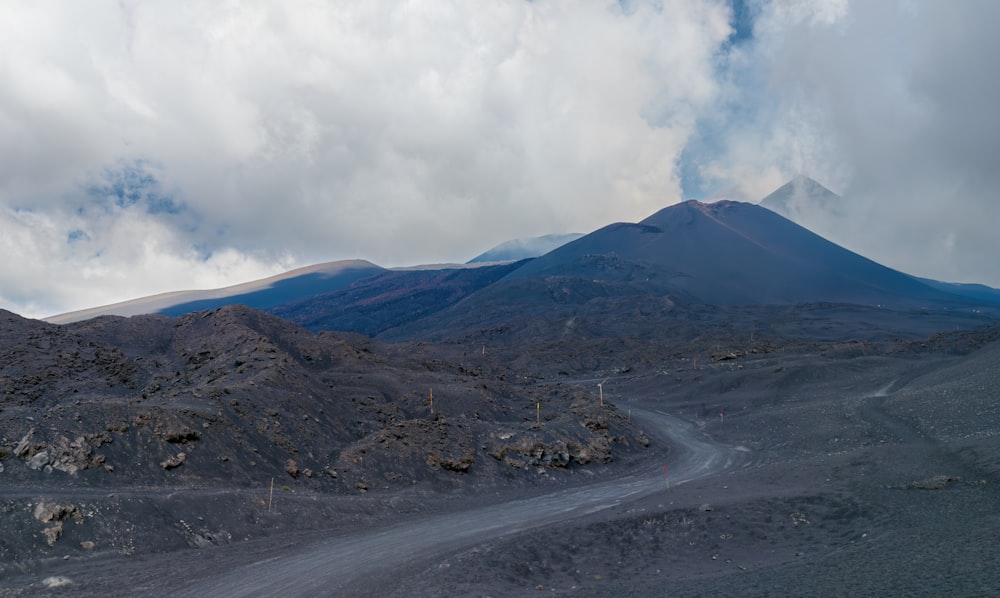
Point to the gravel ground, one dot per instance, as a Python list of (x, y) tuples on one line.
[(863, 475)]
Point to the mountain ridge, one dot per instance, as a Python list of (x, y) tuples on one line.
[(265, 292), (725, 252)]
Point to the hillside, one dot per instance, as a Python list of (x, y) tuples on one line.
[(245, 396), (384, 301)]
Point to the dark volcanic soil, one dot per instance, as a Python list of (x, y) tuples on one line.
[(150, 434), (872, 463), (878, 476)]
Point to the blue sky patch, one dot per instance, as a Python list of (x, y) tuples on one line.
[(77, 235), (133, 184)]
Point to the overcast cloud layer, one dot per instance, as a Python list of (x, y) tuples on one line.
[(156, 146)]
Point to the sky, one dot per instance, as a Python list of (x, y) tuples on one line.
[(155, 146)]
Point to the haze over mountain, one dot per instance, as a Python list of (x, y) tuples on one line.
[(802, 198), (519, 249)]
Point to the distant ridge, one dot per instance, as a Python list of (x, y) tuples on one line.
[(725, 253), (979, 292), (519, 249), (261, 294)]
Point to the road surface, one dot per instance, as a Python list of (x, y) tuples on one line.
[(332, 566)]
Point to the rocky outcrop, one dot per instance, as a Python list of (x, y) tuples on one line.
[(459, 463), (61, 454), (532, 450), (55, 514), (173, 461)]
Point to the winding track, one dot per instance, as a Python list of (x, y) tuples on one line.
[(330, 566)]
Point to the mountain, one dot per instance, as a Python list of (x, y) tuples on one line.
[(734, 253), (802, 200), (261, 294), (519, 249), (706, 280), (725, 253)]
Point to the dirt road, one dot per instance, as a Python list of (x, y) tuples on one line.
[(339, 564)]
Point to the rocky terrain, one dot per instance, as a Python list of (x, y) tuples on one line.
[(150, 437), (876, 471), (222, 404)]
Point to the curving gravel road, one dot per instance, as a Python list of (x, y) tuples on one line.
[(331, 566)]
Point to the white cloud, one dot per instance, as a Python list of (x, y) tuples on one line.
[(397, 132), (282, 134), (891, 104), (122, 255)]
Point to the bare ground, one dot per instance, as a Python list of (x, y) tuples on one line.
[(864, 470)]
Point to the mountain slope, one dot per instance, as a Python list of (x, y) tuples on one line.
[(264, 293), (386, 300), (706, 280), (284, 288), (977, 292)]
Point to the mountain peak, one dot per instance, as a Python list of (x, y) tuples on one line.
[(801, 197), (686, 212)]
